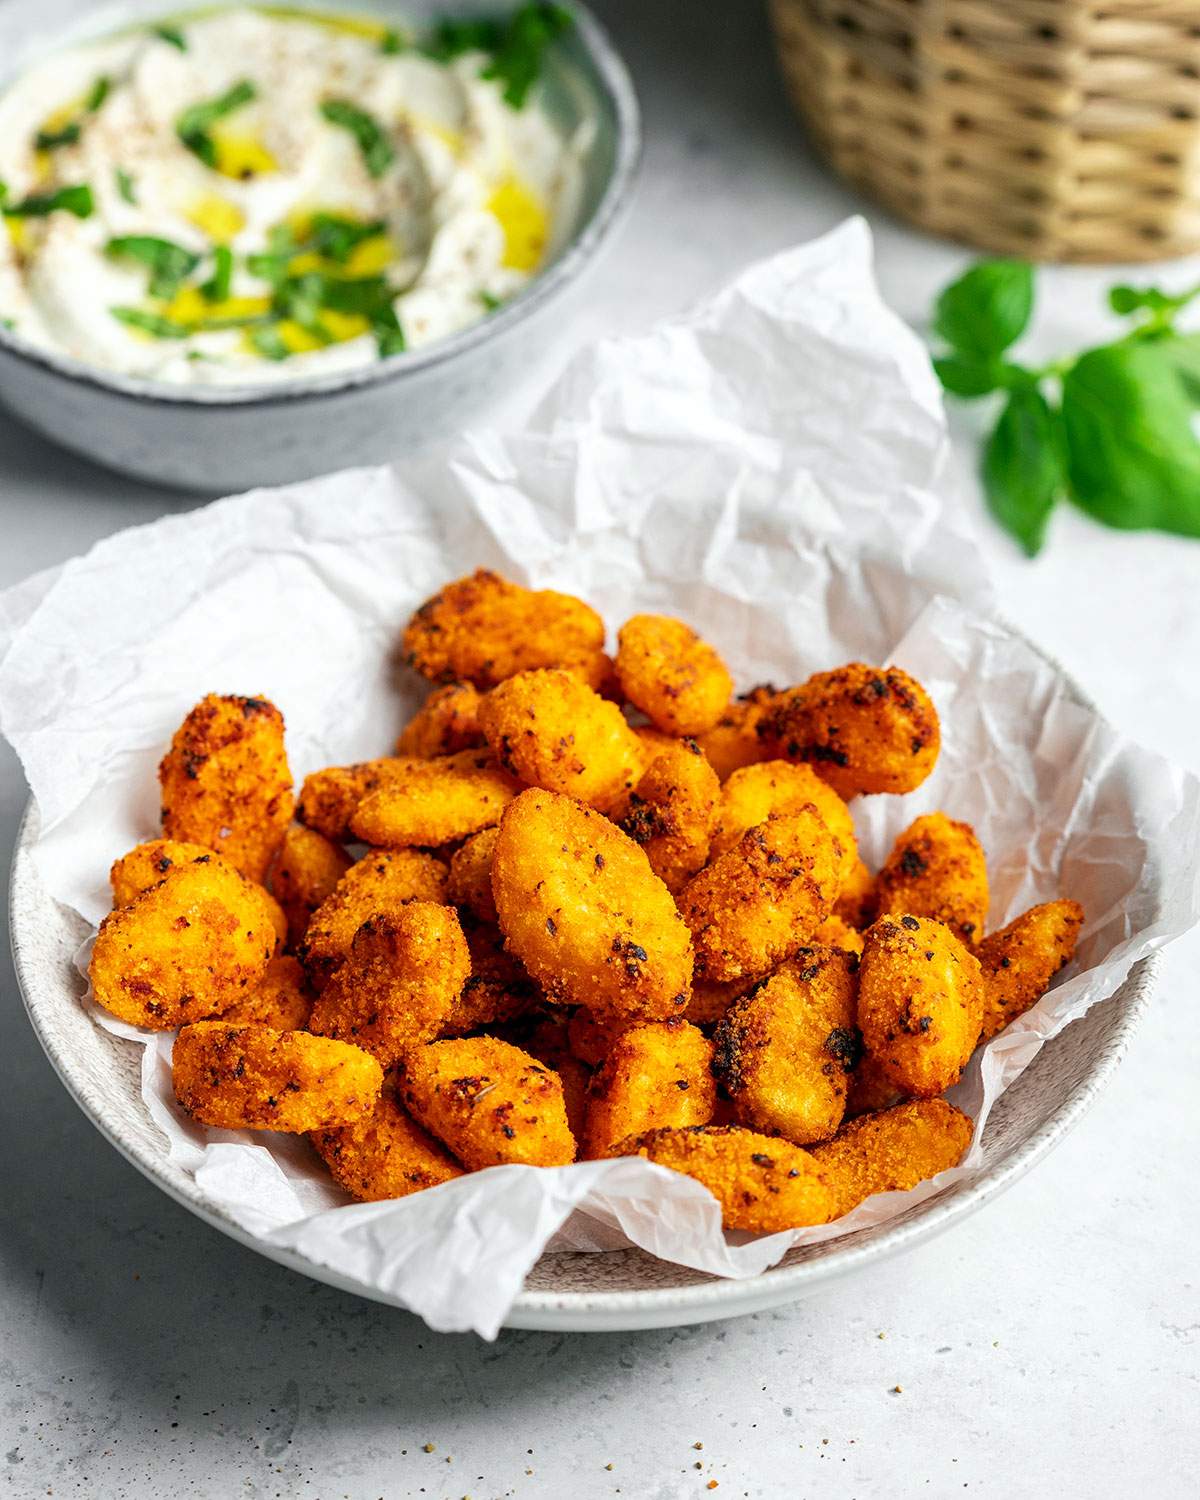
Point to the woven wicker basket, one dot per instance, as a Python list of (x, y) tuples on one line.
[(1050, 129)]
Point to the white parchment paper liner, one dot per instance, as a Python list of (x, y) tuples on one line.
[(767, 468)]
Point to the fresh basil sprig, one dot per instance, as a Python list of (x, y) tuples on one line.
[(1110, 429), (516, 44), (377, 150), (194, 125)]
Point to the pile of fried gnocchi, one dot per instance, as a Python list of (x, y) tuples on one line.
[(591, 907)]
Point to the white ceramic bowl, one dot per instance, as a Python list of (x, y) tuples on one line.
[(232, 438), (592, 1292)]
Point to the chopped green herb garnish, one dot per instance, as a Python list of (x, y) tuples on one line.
[(451, 38), (172, 36), (216, 288), (125, 186), (51, 140), (98, 94), (490, 301), (152, 323), (335, 238), (72, 200), (517, 63), (169, 263), (389, 337), (269, 343), (392, 43), (194, 124), (377, 150), (8, 323)]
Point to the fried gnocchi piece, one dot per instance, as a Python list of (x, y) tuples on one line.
[(385, 1154), (784, 1051), (330, 798), (549, 729), (381, 882), (591, 1040), (598, 670), (756, 905), (937, 869), (920, 1003), (778, 787), (862, 729), (544, 1036), (836, 933), (399, 983), (146, 865), (733, 740), (892, 1151), (447, 722), (258, 1078), (581, 908), (434, 802), (870, 1089), (306, 872), (708, 1002), (482, 629), (226, 783), (489, 1102), (1020, 960), (281, 999), (675, 678), (486, 1003), (185, 949), (762, 1183), (656, 1075), (470, 882), (670, 812), (855, 904)]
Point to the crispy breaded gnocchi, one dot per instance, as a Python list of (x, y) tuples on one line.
[(753, 794), (892, 1151), (1020, 960), (855, 903), (470, 883), (783, 1052), (920, 1003), (597, 669), (146, 865), (762, 1183), (447, 722), (871, 1090), (591, 1040), (708, 1002), (185, 949), (489, 1102), (677, 680), (432, 802), (937, 869), (281, 999), (543, 1034), (258, 1078), (733, 740), (834, 932), (753, 907), (549, 729), (306, 872), (581, 908), (385, 1154), (226, 783), (861, 728), (482, 629), (656, 1074), (381, 882), (399, 983), (330, 798), (670, 812)]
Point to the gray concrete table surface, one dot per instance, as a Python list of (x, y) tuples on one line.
[(1049, 1345)]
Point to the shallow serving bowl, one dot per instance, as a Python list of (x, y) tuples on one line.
[(232, 438), (620, 1290)]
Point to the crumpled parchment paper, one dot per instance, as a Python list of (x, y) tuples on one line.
[(767, 468)]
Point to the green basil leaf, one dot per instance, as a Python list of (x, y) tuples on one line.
[(517, 63), (193, 125), (391, 44), (216, 288), (72, 200), (491, 302), (1133, 460), (126, 187), (51, 140), (1022, 468), (389, 334), (336, 238), (98, 93), (172, 36), (377, 150), (169, 264), (966, 377), (152, 323), (451, 38), (988, 309)]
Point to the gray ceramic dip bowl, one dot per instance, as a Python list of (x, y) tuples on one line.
[(235, 437)]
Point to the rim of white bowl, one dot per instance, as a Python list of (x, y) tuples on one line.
[(708, 1299), (614, 82)]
